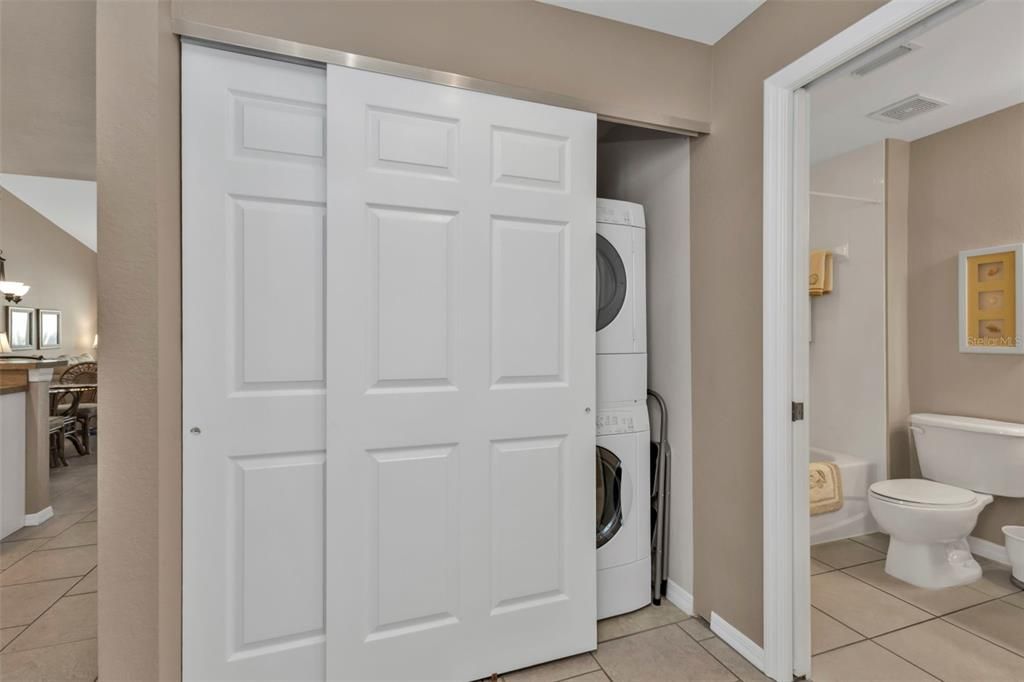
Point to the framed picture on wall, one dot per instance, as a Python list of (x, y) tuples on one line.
[(21, 327), (50, 331), (991, 301)]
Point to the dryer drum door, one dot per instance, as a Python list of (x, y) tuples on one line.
[(611, 282), (609, 495)]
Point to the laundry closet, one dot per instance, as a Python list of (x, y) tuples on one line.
[(643, 181), (389, 370)]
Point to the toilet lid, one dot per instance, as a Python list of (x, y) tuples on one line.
[(920, 491)]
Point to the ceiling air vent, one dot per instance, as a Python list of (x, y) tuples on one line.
[(912, 106), (884, 58)]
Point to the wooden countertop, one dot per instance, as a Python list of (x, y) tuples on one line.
[(20, 364), (14, 371)]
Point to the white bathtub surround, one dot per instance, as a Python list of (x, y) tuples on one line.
[(929, 521), (847, 409), (853, 518)]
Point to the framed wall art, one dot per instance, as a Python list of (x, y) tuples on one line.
[(991, 301), (21, 327), (50, 331)]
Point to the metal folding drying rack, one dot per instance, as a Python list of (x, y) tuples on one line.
[(660, 503)]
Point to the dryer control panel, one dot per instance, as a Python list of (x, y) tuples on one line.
[(624, 419)]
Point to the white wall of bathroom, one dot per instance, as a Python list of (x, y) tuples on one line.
[(653, 169), (847, 409)]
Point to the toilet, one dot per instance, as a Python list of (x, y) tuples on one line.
[(965, 461)]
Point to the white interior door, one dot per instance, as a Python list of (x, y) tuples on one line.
[(253, 220), (460, 328)]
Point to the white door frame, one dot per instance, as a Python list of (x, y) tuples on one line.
[(785, 453)]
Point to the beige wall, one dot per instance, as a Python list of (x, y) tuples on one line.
[(48, 88), (897, 188), (624, 70), (965, 192), (726, 177), (140, 324), (59, 268)]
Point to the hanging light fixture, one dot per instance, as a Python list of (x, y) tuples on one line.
[(12, 291)]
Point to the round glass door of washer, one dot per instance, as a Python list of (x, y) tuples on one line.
[(609, 495), (611, 282)]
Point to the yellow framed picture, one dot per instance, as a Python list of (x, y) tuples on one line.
[(992, 300)]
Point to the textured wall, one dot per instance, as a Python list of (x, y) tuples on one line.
[(48, 88), (965, 192), (59, 268), (726, 184)]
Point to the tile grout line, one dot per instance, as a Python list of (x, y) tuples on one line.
[(981, 636), (899, 598), (612, 639), (45, 611)]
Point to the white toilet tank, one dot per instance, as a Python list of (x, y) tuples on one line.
[(982, 455)]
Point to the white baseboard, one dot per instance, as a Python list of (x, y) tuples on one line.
[(989, 550), (39, 517), (738, 641), (680, 597)]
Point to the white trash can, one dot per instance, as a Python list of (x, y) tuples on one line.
[(1015, 547)]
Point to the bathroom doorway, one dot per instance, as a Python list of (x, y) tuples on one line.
[(906, 169)]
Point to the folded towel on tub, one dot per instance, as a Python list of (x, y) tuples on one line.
[(826, 488)]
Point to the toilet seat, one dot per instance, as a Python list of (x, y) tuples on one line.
[(918, 492)]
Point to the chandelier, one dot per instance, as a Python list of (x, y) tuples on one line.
[(12, 291)]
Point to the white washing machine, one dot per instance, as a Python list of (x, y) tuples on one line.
[(621, 277), (623, 509)]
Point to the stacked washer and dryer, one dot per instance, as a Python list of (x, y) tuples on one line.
[(623, 426)]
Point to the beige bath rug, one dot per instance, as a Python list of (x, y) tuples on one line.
[(826, 488)]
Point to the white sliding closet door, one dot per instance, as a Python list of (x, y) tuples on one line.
[(460, 367), (253, 221)]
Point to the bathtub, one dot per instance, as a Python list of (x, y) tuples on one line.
[(853, 518)]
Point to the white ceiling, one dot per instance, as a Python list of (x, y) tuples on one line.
[(68, 204), (702, 20), (974, 61)]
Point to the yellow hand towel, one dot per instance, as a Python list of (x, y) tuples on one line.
[(820, 275), (826, 488)]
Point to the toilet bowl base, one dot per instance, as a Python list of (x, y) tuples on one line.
[(932, 565)]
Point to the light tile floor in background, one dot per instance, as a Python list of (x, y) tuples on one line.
[(867, 625), (48, 584)]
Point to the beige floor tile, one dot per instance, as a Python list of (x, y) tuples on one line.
[(666, 654), (76, 661), (12, 552), (950, 653), (22, 604), (638, 621), (94, 516), (50, 528), (731, 659), (827, 633), (843, 553), (77, 500), (859, 606), (1015, 599), (818, 567), (995, 580), (697, 629), (82, 533), (71, 619), (937, 602), (555, 671), (7, 634), (596, 676), (863, 662), (51, 564), (879, 541), (89, 583), (997, 622)]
